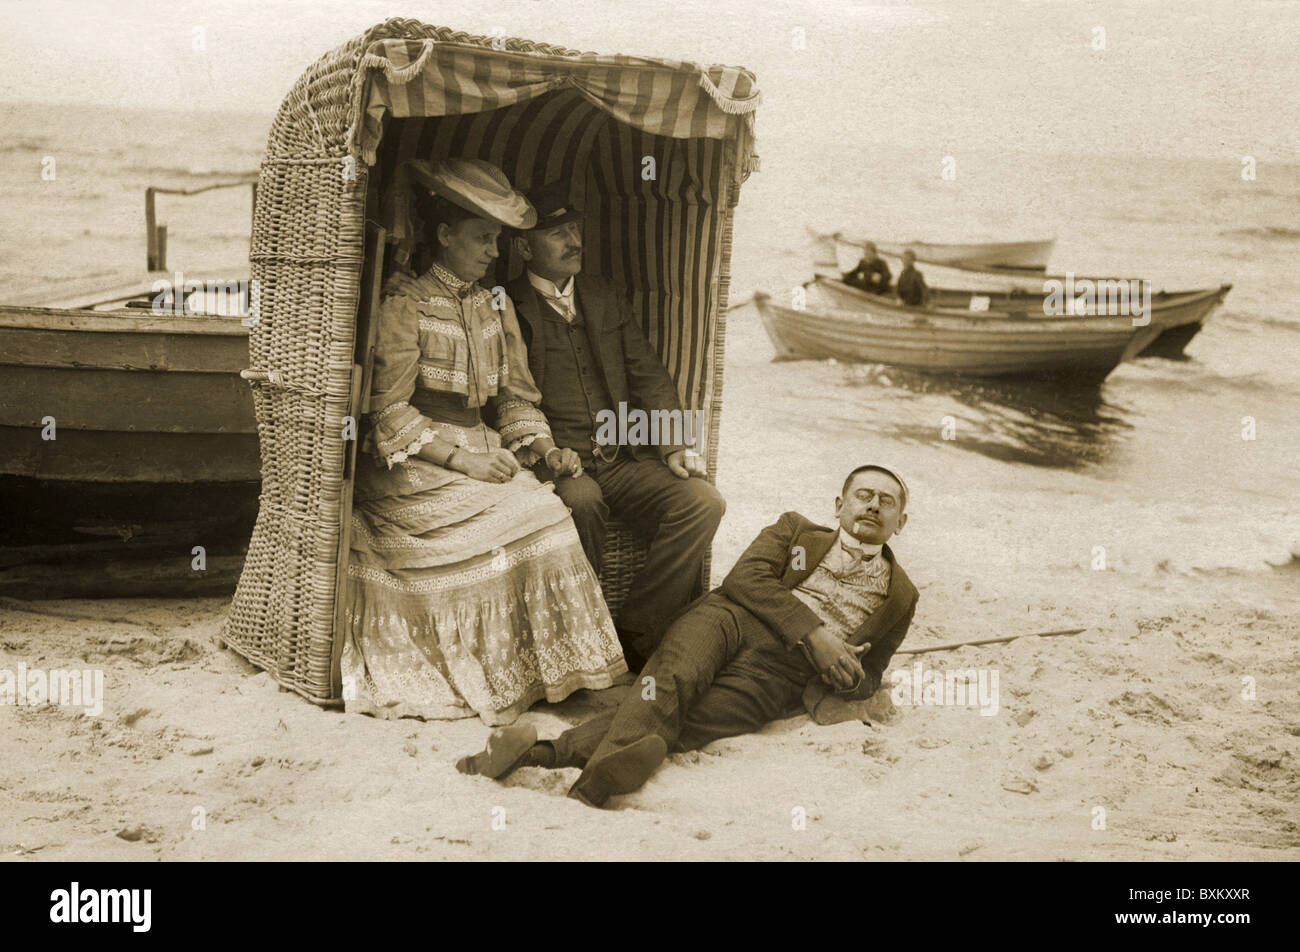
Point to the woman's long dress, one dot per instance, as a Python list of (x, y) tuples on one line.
[(464, 597)]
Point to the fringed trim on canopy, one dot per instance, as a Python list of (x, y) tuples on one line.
[(411, 77), (726, 102)]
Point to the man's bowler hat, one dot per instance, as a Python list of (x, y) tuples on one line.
[(553, 205)]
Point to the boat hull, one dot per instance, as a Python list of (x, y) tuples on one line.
[(1172, 343), (845, 324), (135, 399), (956, 286), (1181, 314), (129, 460)]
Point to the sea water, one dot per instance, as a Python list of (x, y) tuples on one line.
[(1169, 466)]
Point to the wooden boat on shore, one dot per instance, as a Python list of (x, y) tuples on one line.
[(127, 438), (841, 322), (1018, 256), (956, 286)]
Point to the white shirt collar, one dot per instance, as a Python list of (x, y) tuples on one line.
[(548, 288), (852, 546)]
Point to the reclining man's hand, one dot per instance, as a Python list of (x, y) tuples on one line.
[(835, 661)]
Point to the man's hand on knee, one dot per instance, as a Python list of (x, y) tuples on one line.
[(684, 465), (563, 461)]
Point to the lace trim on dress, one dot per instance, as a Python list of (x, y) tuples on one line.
[(448, 328), (559, 540), (445, 328), (404, 434), (412, 448), (522, 448), (443, 373)]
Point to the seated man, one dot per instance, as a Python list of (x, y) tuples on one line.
[(808, 611), (588, 355), (911, 283), (871, 274)]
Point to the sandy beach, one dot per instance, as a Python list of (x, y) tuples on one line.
[(198, 756), (1157, 512)]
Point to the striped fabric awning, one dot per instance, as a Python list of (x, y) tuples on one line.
[(408, 78), (653, 150)]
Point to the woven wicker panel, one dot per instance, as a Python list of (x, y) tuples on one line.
[(306, 262), (623, 557)]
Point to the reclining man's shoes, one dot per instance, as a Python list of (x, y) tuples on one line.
[(623, 771), (507, 748)]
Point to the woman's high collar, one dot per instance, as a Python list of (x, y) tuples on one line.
[(449, 278)]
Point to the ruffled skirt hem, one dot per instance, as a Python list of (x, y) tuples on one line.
[(612, 675)]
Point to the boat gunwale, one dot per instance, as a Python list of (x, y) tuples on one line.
[(996, 272), (1001, 315), (119, 320)]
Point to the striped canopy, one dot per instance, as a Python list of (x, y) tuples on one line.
[(655, 152), (418, 78)]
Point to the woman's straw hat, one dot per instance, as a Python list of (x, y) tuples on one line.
[(476, 186)]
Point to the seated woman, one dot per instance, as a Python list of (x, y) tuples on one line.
[(468, 589)]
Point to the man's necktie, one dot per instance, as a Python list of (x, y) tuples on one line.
[(562, 304)]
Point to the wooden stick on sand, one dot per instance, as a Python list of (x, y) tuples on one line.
[(989, 641)]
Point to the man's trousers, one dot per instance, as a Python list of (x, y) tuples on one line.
[(678, 518), (717, 673)]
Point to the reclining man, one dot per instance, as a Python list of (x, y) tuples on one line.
[(807, 612), (588, 354)]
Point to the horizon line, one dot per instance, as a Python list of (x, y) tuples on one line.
[(1284, 159)]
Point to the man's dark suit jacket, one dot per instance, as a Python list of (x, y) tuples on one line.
[(763, 577), (633, 372), (869, 276)]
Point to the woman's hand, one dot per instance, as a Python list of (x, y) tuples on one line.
[(496, 466)]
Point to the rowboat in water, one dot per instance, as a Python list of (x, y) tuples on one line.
[(1018, 256), (1180, 314), (837, 321), (957, 286), (129, 460)]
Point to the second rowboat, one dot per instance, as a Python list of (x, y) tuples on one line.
[(836, 321)]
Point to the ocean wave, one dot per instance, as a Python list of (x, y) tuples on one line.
[(24, 145), (1266, 232), (1247, 321), (190, 171), (1194, 378), (1134, 218)]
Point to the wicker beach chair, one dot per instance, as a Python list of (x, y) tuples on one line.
[(657, 150)]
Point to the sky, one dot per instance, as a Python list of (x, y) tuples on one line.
[(1161, 77)]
